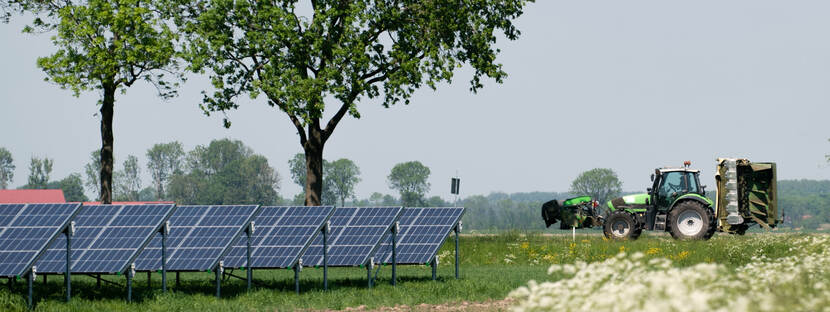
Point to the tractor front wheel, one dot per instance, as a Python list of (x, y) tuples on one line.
[(621, 225), (691, 220)]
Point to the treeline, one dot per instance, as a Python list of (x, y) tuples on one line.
[(805, 203)]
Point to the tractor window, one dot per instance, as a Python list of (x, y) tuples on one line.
[(672, 182), (692, 182)]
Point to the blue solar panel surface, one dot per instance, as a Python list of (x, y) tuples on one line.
[(26, 229), (107, 238), (422, 232), (199, 237), (354, 236), (281, 234)]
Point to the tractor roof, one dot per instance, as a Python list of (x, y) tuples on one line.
[(672, 169)]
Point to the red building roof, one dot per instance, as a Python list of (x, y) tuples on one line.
[(31, 196), (132, 203)]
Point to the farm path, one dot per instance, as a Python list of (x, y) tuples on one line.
[(488, 305)]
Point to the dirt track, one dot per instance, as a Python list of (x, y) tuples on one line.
[(489, 305)]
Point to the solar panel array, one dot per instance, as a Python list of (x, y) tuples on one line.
[(354, 235), (281, 234), (422, 232), (199, 237), (26, 229), (107, 238)]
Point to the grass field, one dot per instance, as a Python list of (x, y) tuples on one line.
[(491, 268)]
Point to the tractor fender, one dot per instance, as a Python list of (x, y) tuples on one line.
[(695, 197)]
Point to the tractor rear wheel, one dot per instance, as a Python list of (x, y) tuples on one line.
[(691, 220), (621, 225)]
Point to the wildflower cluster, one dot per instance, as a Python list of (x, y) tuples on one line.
[(799, 281)]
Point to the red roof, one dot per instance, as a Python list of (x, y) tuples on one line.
[(31, 196), (132, 203)]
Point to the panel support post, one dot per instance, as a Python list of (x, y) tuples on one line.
[(219, 268), (149, 276), (30, 279), (297, 268), (457, 229), (164, 231), (395, 229), (44, 279), (250, 272), (434, 267), (130, 274), (98, 280), (67, 274), (177, 280), (326, 256), (369, 266)]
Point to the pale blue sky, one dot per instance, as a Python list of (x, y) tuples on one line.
[(627, 85)]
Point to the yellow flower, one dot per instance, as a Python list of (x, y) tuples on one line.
[(525, 245), (653, 251), (622, 248)]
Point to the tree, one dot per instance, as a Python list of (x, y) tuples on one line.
[(298, 170), (39, 171), (108, 46), (6, 168), (73, 188), (225, 172), (92, 171), (164, 160), (410, 179), (128, 183), (600, 183), (342, 175), (343, 50)]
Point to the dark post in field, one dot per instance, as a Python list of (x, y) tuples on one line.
[(30, 279), (325, 257), (67, 275), (395, 253), (164, 231), (250, 272), (457, 229)]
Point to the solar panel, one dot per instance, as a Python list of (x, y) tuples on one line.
[(422, 232), (281, 234), (199, 237), (354, 235), (107, 238), (26, 230)]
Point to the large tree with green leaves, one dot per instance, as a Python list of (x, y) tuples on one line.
[(106, 46), (410, 180), (601, 184), (163, 161), (6, 168), (342, 174), (340, 51)]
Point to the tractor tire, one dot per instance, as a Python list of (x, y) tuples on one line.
[(690, 220), (621, 225)]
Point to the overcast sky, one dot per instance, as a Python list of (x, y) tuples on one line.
[(627, 85)]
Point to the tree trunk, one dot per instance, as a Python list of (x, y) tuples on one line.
[(314, 165), (107, 106)]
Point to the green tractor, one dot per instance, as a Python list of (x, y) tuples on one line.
[(677, 203)]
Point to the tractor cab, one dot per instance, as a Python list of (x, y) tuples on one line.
[(673, 183)]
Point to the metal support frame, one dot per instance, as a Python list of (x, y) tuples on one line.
[(434, 267), (67, 276), (457, 229), (164, 231), (369, 265), (395, 229), (219, 268), (30, 279), (325, 256), (250, 275), (297, 268), (130, 274), (149, 279), (44, 279), (98, 280)]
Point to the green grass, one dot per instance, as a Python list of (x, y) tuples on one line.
[(491, 266)]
